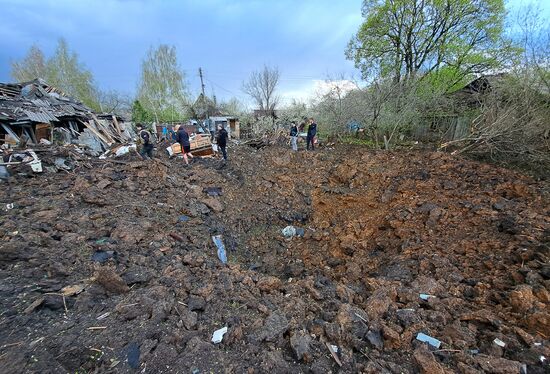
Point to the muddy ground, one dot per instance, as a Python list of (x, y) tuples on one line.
[(111, 268)]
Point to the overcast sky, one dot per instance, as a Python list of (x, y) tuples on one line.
[(228, 39)]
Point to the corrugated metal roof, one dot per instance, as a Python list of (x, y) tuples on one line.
[(44, 117), (42, 103), (38, 103)]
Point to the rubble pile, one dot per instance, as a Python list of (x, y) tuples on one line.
[(36, 113), (390, 262)]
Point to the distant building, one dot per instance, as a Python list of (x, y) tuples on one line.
[(230, 123)]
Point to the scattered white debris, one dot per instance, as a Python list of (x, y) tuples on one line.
[(428, 339), (499, 342), (104, 315), (217, 337), (36, 166)]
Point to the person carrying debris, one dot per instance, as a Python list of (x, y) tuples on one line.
[(182, 137), (294, 136), (144, 137), (222, 140), (311, 132)]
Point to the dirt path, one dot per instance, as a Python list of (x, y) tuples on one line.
[(112, 268)]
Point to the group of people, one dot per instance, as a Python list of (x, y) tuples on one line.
[(182, 138), (310, 137)]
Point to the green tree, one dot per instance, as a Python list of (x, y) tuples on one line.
[(32, 66), (66, 72), (403, 39), (162, 88), (139, 114)]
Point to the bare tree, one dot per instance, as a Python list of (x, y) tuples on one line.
[(114, 102), (261, 88)]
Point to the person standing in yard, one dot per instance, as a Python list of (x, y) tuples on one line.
[(222, 140), (144, 137), (294, 136), (182, 137), (311, 133)]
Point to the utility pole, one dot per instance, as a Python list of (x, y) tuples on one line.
[(202, 84), (206, 106)]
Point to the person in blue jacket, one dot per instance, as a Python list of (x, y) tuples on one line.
[(311, 132), (182, 137)]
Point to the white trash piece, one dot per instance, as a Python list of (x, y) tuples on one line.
[(217, 336), (499, 342), (125, 149), (289, 231), (36, 166), (428, 339), (425, 296)]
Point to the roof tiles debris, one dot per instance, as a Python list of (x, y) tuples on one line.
[(36, 101)]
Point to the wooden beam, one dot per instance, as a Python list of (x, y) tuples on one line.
[(96, 133), (105, 131), (117, 126)]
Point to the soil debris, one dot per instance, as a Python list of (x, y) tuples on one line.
[(380, 228)]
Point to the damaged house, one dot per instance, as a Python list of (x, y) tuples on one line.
[(452, 119), (35, 112)]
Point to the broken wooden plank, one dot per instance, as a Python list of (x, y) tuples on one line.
[(97, 328), (103, 129), (117, 127)]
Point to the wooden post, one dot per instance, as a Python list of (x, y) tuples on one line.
[(117, 126)]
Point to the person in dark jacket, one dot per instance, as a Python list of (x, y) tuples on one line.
[(311, 132), (294, 136), (222, 140), (147, 146), (182, 137)]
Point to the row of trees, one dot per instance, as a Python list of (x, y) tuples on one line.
[(162, 92), (62, 70), (412, 55)]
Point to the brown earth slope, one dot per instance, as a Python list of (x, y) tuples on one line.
[(380, 229)]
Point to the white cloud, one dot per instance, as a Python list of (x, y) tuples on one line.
[(315, 89)]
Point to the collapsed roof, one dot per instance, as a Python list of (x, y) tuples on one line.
[(36, 101), (35, 110)]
